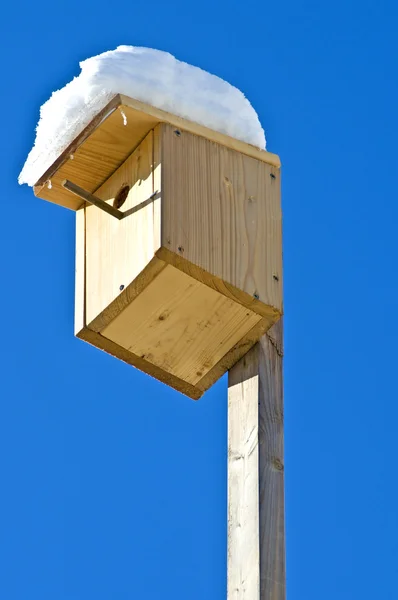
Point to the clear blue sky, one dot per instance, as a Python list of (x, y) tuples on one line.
[(112, 485)]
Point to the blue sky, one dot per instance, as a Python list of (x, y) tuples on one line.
[(112, 485)]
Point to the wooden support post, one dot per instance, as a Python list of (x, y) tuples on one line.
[(256, 536)]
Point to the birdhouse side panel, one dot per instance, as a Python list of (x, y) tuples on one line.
[(181, 325), (222, 213)]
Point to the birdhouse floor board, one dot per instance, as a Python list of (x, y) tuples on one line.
[(169, 324), (102, 343), (191, 279)]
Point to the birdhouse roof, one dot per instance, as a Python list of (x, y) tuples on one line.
[(107, 141)]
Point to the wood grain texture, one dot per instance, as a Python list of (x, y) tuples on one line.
[(157, 187), (236, 353), (243, 482), (96, 339), (256, 537), (269, 313), (271, 467), (181, 325), (136, 288), (117, 251), (80, 271), (127, 295), (109, 139), (192, 127), (222, 213)]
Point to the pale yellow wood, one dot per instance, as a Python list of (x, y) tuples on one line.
[(181, 325), (192, 127), (222, 212), (243, 557), (103, 343), (271, 466), (110, 138), (157, 186), (270, 313), (256, 536), (128, 294), (117, 251), (125, 298), (80, 271), (97, 152)]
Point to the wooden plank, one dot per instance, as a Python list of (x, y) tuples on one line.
[(270, 313), (243, 558), (97, 153), (80, 272), (117, 251), (157, 187), (234, 355), (93, 156), (74, 146), (181, 325), (97, 340), (192, 127), (271, 467), (222, 213), (256, 537), (136, 287)]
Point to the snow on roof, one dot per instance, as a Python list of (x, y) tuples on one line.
[(151, 76)]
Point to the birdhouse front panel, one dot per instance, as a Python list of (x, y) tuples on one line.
[(187, 277), (118, 251)]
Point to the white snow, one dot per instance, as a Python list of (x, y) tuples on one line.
[(152, 76)]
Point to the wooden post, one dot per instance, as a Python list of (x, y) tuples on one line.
[(256, 537)]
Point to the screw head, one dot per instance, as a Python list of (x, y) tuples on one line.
[(121, 287)]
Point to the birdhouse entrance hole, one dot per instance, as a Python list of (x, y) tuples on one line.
[(121, 196)]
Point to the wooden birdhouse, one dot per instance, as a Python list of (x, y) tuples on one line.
[(178, 242)]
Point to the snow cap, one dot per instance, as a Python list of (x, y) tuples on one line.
[(151, 76)]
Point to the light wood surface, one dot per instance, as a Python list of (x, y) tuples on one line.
[(92, 157), (181, 325), (271, 466), (243, 483), (80, 271), (222, 213), (117, 251), (97, 152), (102, 343), (256, 537), (190, 126), (270, 313)]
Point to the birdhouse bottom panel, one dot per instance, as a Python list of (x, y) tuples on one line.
[(181, 325), (176, 328)]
